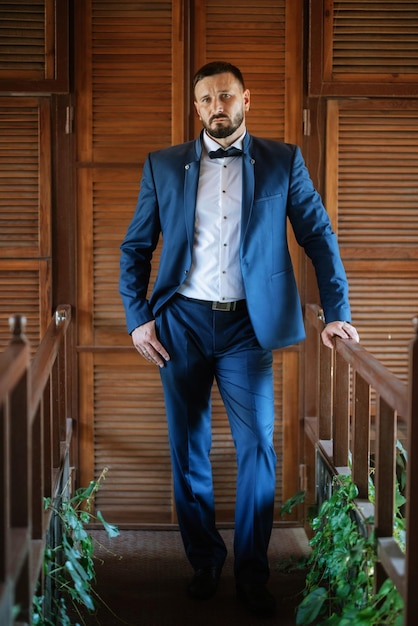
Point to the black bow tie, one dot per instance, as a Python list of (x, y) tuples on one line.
[(230, 152)]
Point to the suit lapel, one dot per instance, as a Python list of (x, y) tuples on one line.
[(191, 182), (248, 185)]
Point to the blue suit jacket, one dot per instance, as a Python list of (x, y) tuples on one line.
[(276, 186)]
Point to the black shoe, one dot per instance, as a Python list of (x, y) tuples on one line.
[(257, 599), (204, 583)]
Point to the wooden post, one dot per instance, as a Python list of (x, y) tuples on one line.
[(411, 599)]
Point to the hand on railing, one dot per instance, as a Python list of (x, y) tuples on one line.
[(345, 330)]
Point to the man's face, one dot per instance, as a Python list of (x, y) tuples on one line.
[(221, 104)]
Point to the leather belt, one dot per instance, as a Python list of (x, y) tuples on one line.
[(237, 305)]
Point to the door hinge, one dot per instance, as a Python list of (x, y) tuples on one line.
[(69, 119), (303, 477), (306, 123)]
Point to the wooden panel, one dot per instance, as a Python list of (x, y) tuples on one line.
[(132, 79), (25, 290), (124, 96), (115, 194), (384, 300), (378, 174), (372, 186), (32, 56), (256, 44), (23, 39), (25, 200), (373, 38), (130, 438), (25, 214), (368, 47)]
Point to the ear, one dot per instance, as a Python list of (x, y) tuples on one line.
[(246, 98), (196, 106)]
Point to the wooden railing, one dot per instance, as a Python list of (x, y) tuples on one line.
[(344, 425), (35, 433)]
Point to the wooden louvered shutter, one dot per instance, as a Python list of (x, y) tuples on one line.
[(33, 59), (133, 71), (32, 55), (372, 190), (25, 238), (364, 48), (257, 45), (124, 78)]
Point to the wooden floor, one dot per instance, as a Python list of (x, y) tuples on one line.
[(142, 575)]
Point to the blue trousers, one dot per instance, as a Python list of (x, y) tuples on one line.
[(205, 345)]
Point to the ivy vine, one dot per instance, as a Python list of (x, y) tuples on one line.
[(69, 566), (339, 587)]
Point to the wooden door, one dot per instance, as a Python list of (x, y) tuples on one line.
[(372, 186), (133, 65), (369, 50), (33, 69)]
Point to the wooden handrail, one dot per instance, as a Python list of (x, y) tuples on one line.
[(372, 371), (342, 430), (34, 442), (46, 354)]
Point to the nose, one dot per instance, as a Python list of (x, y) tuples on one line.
[(219, 105)]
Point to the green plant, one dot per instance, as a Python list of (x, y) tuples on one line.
[(69, 568), (340, 583)]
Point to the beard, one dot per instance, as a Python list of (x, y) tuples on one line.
[(220, 132)]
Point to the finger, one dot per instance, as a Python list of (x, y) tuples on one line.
[(351, 331), (157, 348), (150, 353), (326, 337)]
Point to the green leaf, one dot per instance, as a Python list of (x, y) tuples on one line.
[(112, 531), (84, 493), (287, 507), (47, 503), (81, 583), (311, 606)]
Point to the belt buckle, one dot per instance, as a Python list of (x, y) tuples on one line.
[(224, 306)]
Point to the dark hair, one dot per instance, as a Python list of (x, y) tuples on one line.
[(218, 67)]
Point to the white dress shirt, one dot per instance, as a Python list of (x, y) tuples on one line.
[(215, 273)]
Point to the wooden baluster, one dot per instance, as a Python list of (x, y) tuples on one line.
[(341, 424), (384, 477), (325, 392), (361, 435), (311, 347)]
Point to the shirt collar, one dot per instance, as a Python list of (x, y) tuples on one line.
[(211, 144)]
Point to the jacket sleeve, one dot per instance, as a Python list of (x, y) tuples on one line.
[(313, 231), (136, 253)]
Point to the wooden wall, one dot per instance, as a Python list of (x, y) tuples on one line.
[(85, 94)]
